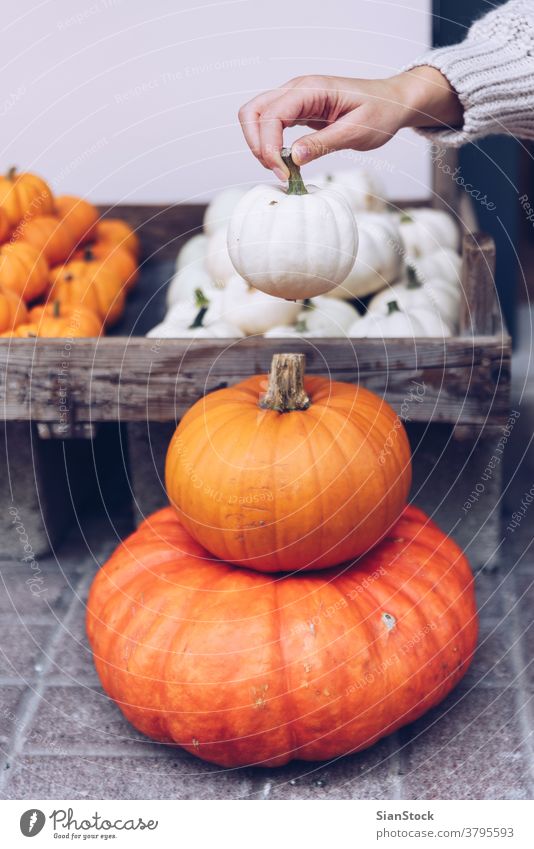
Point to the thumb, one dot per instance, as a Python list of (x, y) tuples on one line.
[(338, 136)]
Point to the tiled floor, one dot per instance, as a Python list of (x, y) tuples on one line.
[(62, 738)]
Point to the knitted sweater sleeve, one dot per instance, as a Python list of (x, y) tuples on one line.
[(492, 72)]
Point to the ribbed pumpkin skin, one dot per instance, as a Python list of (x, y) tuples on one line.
[(241, 668), (24, 195), (48, 235), (281, 491), (96, 288), (117, 233), (113, 258), (12, 310), (57, 321), (23, 270), (80, 216)]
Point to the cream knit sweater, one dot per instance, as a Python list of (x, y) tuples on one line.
[(493, 73)]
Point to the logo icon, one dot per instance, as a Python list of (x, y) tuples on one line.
[(32, 822)]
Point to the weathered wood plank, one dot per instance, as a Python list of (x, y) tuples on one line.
[(464, 380), (480, 310)]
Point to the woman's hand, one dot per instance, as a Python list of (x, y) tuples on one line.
[(345, 113)]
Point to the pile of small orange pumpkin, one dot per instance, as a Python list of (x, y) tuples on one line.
[(288, 604), (64, 272)]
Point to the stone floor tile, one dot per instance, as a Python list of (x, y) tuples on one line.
[(371, 774), (82, 719), (11, 712), (470, 747), (172, 775), (24, 648)]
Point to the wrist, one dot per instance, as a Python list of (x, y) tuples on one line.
[(429, 99)]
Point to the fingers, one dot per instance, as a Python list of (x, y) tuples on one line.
[(349, 132), (264, 118)]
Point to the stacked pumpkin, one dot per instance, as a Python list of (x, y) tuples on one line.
[(63, 271), (397, 275), (289, 604)]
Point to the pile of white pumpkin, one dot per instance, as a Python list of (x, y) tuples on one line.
[(408, 261)]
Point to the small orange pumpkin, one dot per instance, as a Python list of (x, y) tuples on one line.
[(12, 310), (240, 668), (55, 320), (304, 477), (79, 215), (5, 228), (24, 195), (24, 270), (50, 236), (114, 231), (95, 287), (118, 260)]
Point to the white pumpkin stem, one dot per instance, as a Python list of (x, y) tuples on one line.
[(393, 307), (295, 184), (285, 392)]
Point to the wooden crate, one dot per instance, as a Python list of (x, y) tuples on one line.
[(454, 393)]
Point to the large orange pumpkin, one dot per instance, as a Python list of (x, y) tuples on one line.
[(118, 260), (301, 478), (12, 310), (241, 668), (23, 269), (24, 195), (50, 236), (115, 232), (79, 215), (79, 282)]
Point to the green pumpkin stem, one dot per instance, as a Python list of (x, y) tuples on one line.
[(12, 172), (56, 309), (285, 390), (295, 185), (202, 304), (393, 307), (413, 279)]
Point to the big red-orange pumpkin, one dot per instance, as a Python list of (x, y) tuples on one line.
[(241, 668), (302, 478)]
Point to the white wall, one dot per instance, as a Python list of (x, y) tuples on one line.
[(132, 100)]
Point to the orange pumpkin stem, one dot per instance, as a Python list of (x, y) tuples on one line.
[(12, 173), (285, 391)]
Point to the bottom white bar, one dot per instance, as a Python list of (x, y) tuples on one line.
[(262, 825)]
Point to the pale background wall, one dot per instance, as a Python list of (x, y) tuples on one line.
[(132, 100)]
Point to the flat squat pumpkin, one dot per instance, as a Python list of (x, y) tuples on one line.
[(306, 475), (241, 668)]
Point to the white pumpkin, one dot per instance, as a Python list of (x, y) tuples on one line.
[(435, 295), (293, 242), (193, 251), (325, 316), (199, 316), (379, 260), (220, 209), (363, 190), (218, 263), (282, 331), (186, 281), (417, 321), (254, 311), (444, 263), (424, 230)]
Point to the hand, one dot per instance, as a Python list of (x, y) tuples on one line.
[(345, 113)]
